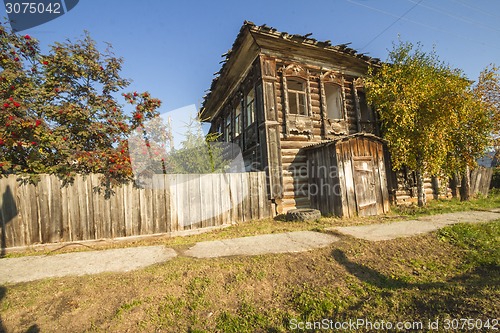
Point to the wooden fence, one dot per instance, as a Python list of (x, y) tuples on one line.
[(49, 212), (480, 179)]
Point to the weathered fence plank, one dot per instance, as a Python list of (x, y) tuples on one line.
[(49, 212), (480, 180)]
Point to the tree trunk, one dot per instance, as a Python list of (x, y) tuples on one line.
[(465, 188), (420, 189), (454, 185), (435, 187)]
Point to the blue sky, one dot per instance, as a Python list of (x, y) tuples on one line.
[(172, 48)]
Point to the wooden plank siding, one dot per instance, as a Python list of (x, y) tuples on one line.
[(351, 175), (49, 213), (480, 179)]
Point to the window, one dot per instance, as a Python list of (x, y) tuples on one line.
[(218, 128), (366, 112), (227, 131), (297, 97), (250, 108), (334, 108), (237, 120)]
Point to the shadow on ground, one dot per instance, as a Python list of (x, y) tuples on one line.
[(32, 329), (432, 299)]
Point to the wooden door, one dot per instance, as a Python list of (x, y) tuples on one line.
[(364, 185)]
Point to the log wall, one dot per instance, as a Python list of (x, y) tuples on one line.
[(440, 188), (292, 142)]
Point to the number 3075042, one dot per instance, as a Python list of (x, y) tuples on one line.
[(33, 8)]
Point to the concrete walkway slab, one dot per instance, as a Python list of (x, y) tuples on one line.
[(387, 231), (14, 270), (23, 269), (273, 243)]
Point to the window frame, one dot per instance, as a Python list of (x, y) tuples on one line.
[(296, 94), (249, 112), (341, 112), (366, 113), (228, 133), (238, 119)]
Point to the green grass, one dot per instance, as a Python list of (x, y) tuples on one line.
[(481, 243), (442, 206), (452, 273)]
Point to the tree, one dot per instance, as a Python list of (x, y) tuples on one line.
[(198, 153), (488, 91), (431, 118), (152, 152), (58, 111)]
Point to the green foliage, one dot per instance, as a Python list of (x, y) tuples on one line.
[(126, 307), (488, 90), (198, 154), (58, 111), (431, 117), (443, 206), (313, 304)]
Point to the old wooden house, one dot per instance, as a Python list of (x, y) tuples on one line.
[(297, 109)]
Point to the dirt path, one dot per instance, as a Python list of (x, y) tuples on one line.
[(24, 269)]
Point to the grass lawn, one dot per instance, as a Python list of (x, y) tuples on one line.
[(450, 274)]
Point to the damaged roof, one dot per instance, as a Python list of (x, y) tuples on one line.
[(262, 35)]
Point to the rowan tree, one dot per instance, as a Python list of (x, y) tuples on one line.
[(431, 118), (59, 112)]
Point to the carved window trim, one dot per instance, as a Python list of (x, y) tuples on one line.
[(297, 123), (333, 126)]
